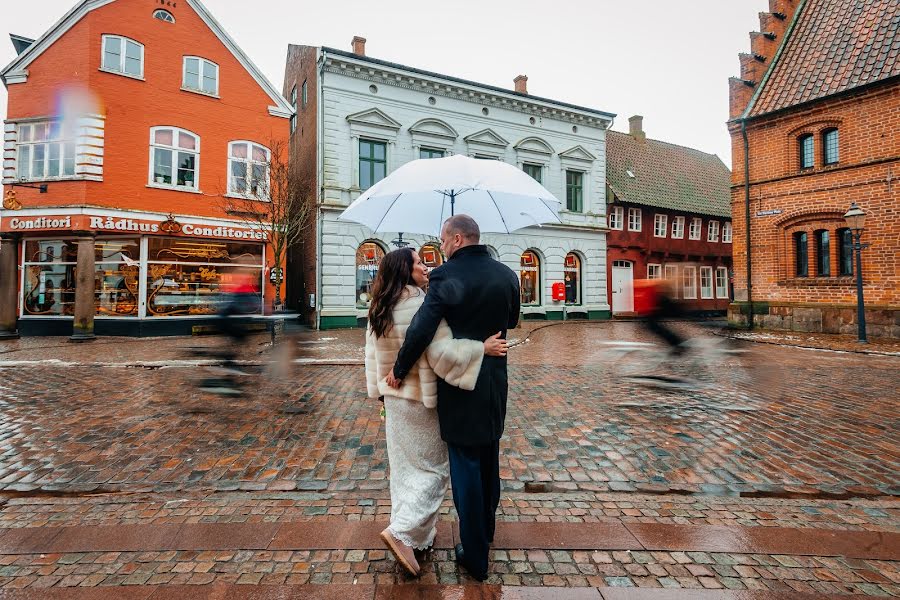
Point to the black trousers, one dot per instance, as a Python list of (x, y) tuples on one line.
[(475, 477), (667, 309)]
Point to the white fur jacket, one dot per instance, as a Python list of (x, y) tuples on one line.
[(456, 361)]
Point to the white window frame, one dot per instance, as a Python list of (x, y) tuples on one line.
[(712, 231), (634, 224), (169, 18), (706, 291), (677, 228), (174, 148), (120, 69), (202, 63), (616, 217), (722, 277), (250, 163), (660, 225), (689, 275), (696, 228), (654, 271), (727, 232), (65, 147)]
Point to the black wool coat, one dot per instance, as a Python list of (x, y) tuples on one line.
[(478, 296)]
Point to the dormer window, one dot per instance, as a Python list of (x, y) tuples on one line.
[(163, 15), (122, 55), (200, 75)]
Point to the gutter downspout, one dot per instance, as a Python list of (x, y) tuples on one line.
[(747, 222), (320, 171)]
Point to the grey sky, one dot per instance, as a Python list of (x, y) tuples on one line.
[(668, 60)]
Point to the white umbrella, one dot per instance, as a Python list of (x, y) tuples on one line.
[(419, 196)]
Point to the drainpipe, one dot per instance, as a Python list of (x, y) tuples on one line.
[(320, 140), (747, 222)]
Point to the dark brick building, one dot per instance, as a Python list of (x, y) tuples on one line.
[(669, 217), (817, 108)]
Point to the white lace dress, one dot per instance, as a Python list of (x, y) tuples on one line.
[(420, 471)]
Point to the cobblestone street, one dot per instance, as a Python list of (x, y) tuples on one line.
[(108, 450)]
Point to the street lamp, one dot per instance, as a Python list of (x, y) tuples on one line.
[(856, 221)]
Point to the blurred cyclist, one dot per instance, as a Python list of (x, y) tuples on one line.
[(654, 301)]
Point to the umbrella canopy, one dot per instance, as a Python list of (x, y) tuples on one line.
[(419, 196)]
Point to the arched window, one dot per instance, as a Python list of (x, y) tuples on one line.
[(805, 147), (431, 256), (572, 278), (174, 157), (368, 257), (830, 153), (530, 278), (163, 15), (801, 254), (248, 169), (845, 251), (823, 253)]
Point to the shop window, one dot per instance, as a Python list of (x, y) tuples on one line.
[(200, 75), (533, 171), (726, 232), (574, 191), (722, 282), (372, 163), (187, 277), (660, 225), (49, 287), (634, 219), (572, 278), (845, 251), (696, 226), (45, 151), (801, 254), (654, 271), (823, 253), (689, 282), (174, 158), (530, 278), (368, 257), (615, 217), (430, 153), (431, 256), (116, 277), (122, 55), (706, 283), (248, 169), (830, 146), (805, 148), (678, 228)]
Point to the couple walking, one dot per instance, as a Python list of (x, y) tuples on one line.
[(439, 360)]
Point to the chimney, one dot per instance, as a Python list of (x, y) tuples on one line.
[(636, 127), (359, 45), (521, 83)]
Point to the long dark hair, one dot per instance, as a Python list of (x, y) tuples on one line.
[(394, 274)]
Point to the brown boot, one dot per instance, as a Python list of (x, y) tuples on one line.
[(403, 553)]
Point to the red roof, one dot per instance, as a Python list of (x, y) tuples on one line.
[(834, 46)]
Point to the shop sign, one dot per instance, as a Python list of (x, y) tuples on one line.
[(123, 224)]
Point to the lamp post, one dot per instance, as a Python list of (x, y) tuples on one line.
[(856, 221)]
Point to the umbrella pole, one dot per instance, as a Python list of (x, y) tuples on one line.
[(452, 201)]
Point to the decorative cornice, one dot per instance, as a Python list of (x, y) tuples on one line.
[(416, 82)]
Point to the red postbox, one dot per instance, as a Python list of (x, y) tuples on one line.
[(559, 291)]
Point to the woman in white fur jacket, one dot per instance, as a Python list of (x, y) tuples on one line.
[(420, 471)]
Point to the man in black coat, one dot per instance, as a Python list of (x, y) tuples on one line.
[(478, 296)]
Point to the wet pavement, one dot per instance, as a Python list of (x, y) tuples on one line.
[(624, 484)]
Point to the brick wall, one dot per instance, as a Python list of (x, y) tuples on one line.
[(785, 199)]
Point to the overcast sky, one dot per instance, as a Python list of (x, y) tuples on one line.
[(668, 60)]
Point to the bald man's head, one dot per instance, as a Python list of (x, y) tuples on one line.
[(458, 232)]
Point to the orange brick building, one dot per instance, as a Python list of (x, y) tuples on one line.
[(815, 126), (131, 124)]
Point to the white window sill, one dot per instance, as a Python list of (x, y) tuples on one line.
[(173, 188), (634, 230), (45, 179), (659, 236), (247, 197), (120, 73), (199, 92)]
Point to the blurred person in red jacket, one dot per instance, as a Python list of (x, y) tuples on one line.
[(654, 301)]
